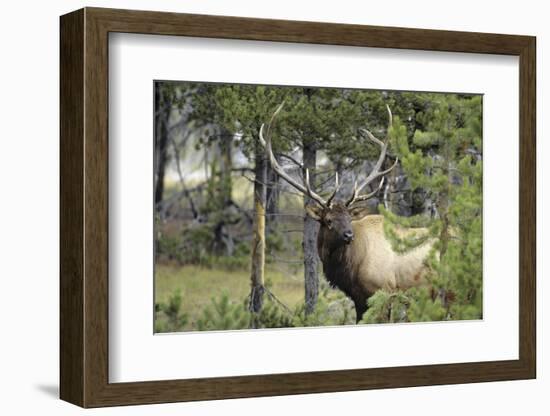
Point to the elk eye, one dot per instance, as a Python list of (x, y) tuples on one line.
[(328, 222)]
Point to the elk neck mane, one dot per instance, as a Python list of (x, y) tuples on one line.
[(340, 261)]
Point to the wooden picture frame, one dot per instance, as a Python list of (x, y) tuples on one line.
[(84, 207)]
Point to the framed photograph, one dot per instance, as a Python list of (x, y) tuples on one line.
[(255, 207)]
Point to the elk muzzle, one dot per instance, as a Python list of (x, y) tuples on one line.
[(348, 236)]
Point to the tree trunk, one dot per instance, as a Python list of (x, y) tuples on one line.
[(443, 208), (392, 189), (443, 203), (162, 113), (258, 240), (272, 198), (226, 164), (223, 241), (311, 280)]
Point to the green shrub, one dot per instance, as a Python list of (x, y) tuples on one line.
[(169, 247), (222, 314), (168, 317), (332, 309), (196, 244), (274, 315), (193, 246)]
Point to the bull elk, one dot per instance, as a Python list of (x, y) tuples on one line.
[(357, 257)]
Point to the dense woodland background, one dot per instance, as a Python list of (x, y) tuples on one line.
[(216, 197)]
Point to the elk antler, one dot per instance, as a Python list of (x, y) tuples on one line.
[(375, 173), (336, 188), (304, 188)]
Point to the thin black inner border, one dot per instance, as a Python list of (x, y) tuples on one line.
[(381, 90)]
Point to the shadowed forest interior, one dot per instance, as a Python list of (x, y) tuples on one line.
[(280, 207)]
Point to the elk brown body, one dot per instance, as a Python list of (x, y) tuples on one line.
[(365, 263)]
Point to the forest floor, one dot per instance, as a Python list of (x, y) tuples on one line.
[(198, 285)]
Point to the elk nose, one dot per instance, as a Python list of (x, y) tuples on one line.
[(348, 236)]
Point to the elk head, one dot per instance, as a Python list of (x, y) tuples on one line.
[(335, 217)]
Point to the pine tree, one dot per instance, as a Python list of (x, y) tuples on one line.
[(444, 162)]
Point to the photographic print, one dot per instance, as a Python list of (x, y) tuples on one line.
[(291, 207)]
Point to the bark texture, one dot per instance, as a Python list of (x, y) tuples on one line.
[(161, 142), (258, 241), (311, 228)]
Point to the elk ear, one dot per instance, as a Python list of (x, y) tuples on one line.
[(314, 212), (358, 213)]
